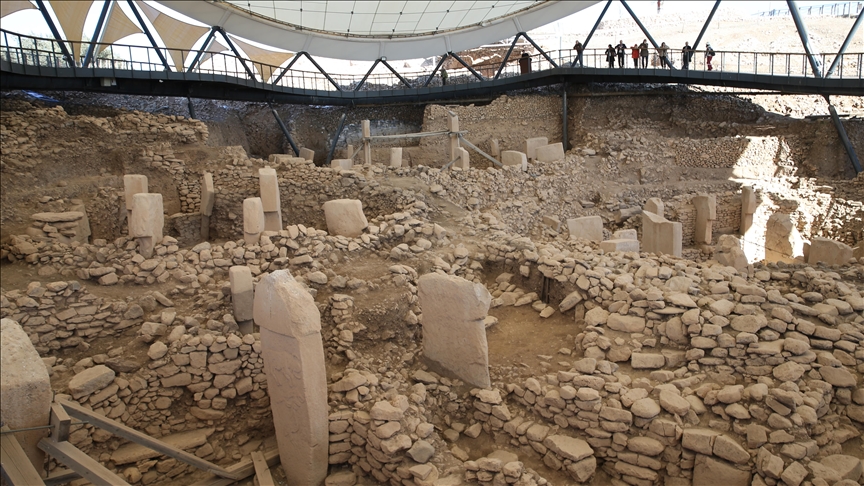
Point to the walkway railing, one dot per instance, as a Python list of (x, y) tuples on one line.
[(45, 57), (839, 9)]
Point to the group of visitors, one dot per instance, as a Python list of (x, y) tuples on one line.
[(639, 55)]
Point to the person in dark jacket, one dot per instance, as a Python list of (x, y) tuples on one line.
[(610, 56), (643, 53), (620, 49), (686, 55), (578, 48)]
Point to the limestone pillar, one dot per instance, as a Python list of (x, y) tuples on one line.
[(345, 217), (146, 222), (25, 388), (783, 242), (293, 355), (453, 126), (454, 336), (349, 152), (242, 296), (748, 207), (253, 220), (531, 144), (494, 148), (270, 199), (706, 213), (513, 158), (660, 236), (396, 157), (588, 227), (307, 154), (133, 184), (464, 161), (655, 205), (367, 144), (208, 197)]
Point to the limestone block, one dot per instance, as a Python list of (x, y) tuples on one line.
[(270, 200), (660, 236), (655, 205), (344, 164), (349, 152), (625, 234), (552, 222), (273, 221), (494, 148), (588, 227), (783, 242), (133, 184), (464, 160), (25, 388), (147, 219), (453, 332), (396, 157), (730, 253), (829, 252), (550, 153), (620, 245), (307, 154), (242, 296), (514, 158), (253, 218), (345, 217), (531, 144), (208, 194), (716, 472), (293, 353), (706, 213), (748, 200)]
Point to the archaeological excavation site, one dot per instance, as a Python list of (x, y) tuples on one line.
[(569, 275)]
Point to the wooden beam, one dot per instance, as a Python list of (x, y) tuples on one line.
[(16, 467), (75, 459), (120, 430), (61, 476), (243, 469), (60, 421), (262, 470)]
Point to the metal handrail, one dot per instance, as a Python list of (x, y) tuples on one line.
[(46, 56)]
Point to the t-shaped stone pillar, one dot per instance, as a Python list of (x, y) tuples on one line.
[(208, 197), (706, 213), (270, 199), (367, 148), (26, 389), (453, 126), (396, 157), (133, 184), (748, 207), (242, 296), (146, 222), (253, 220), (296, 378), (453, 332), (655, 205), (660, 236)]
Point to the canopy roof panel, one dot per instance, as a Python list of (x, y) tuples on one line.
[(370, 29)]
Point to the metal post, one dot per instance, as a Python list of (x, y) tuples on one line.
[(802, 33), (191, 108), (539, 49), (96, 33), (639, 23), (462, 62), (203, 49), (705, 26), (318, 67), (507, 56), (284, 130), (847, 144), (336, 138), (363, 81), (236, 52), (564, 137), (149, 35), (388, 66), (437, 66), (56, 33), (596, 24), (844, 46), (288, 67)]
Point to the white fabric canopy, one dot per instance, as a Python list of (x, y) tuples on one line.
[(11, 6), (118, 26), (71, 15), (265, 57)]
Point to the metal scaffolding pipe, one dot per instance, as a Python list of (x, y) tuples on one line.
[(844, 138), (705, 25), (805, 41), (844, 46), (336, 138), (284, 130)]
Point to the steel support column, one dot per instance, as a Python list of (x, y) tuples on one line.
[(644, 30), (56, 33), (462, 62), (388, 66), (805, 41), (336, 138), (314, 63), (96, 34), (202, 50), (149, 35), (363, 81), (705, 25), (191, 108), (236, 53), (288, 67), (284, 130), (437, 66), (596, 24), (844, 46), (844, 137), (549, 59), (564, 137), (507, 56)]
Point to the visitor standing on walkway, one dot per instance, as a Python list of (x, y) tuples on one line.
[(443, 76), (634, 53), (620, 49), (610, 56), (686, 55), (643, 53), (662, 51), (709, 54), (578, 47)]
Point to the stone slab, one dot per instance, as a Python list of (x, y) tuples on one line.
[(550, 153), (531, 144), (345, 217), (588, 227), (513, 158), (269, 184)]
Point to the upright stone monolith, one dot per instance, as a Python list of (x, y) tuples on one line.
[(293, 355), (453, 332), (706, 213), (242, 296), (307, 154), (655, 205), (464, 161), (133, 184), (396, 157), (660, 236), (453, 127), (345, 217), (270, 199), (253, 220), (783, 241), (208, 197), (25, 388), (367, 142), (587, 227), (748, 207), (146, 222), (531, 144)]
